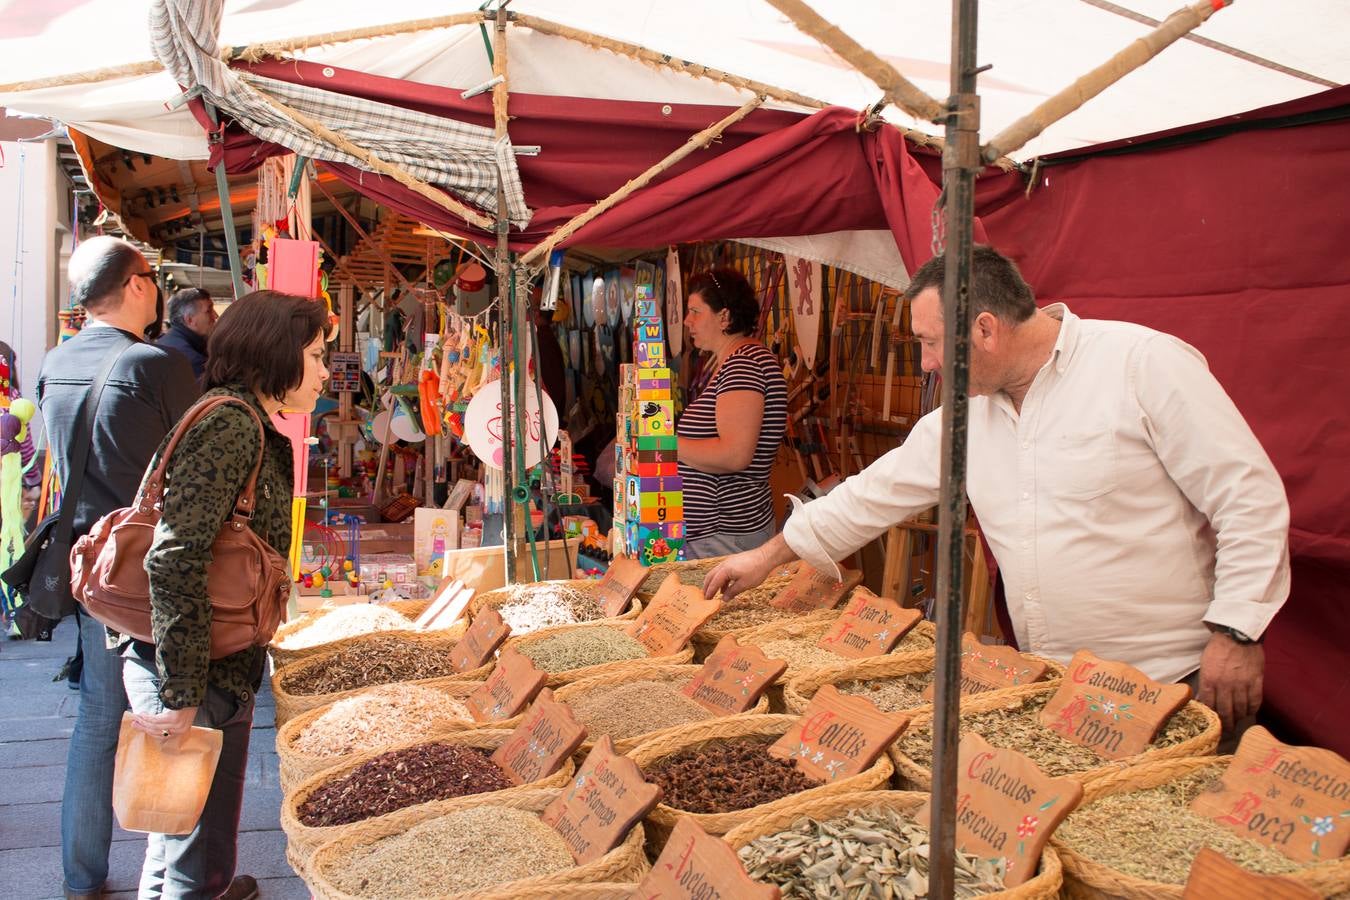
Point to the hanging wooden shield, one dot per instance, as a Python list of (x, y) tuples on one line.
[(804, 299), (674, 303)]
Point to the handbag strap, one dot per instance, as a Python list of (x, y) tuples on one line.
[(152, 491), (84, 439)]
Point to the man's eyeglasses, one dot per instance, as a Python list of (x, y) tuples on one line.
[(150, 275)]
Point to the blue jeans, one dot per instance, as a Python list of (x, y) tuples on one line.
[(721, 543), (86, 807), (200, 864)]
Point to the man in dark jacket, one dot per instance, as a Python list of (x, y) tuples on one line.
[(146, 392), (192, 315)]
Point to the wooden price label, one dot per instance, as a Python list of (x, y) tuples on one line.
[(811, 589), (1005, 806), (548, 735), (606, 798), (1111, 708), (733, 678), (670, 620), (986, 667), (1294, 799), (514, 682), (838, 735), (484, 636), (869, 626), (620, 584), (697, 866), (1215, 875), (449, 603)]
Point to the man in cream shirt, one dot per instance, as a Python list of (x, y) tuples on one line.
[(1131, 509)]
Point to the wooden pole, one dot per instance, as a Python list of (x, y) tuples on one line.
[(1172, 29)]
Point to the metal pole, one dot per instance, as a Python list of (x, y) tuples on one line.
[(226, 209), (960, 163), (505, 321)]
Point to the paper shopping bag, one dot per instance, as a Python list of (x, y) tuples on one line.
[(160, 784)]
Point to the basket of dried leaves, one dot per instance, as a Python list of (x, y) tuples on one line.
[(690, 571), (528, 608), (1134, 837), (485, 848), (637, 705), (571, 652), (1010, 719), (370, 720), (330, 627), (751, 609), (720, 773), (363, 662), (893, 683), (407, 776), (866, 844)]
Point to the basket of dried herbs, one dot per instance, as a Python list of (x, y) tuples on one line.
[(894, 683), (751, 609), (866, 844), (721, 774), (370, 720), (691, 571), (1010, 719), (528, 608), (1133, 836), (637, 705), (571, 652), (487, 848), (327, 627), (363, 662), (410, 775)]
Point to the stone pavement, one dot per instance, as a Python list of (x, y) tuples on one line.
[(36, 718)]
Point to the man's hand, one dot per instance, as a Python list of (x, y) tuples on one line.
[(167, 724), (1231, 676), (742, 571)]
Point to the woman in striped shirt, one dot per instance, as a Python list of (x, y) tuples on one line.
[(730, 433)]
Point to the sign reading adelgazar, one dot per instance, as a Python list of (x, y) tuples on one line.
[(670, 620), (1294, 799), (697, 866), (1111, 708), (811, 589)]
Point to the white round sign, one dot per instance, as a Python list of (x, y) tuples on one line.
[(483, 424)]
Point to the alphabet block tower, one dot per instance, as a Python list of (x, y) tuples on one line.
[(653, 491)]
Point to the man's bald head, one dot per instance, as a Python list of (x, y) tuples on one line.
[(99, 269)]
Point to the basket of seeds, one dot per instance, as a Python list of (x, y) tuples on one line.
[(485, 848), (637, 705), (1134, 837), (721, 774), (364, 662), (751, 609), (571, 652), (329, 627), (369, 720), (1010, 719), (401, 778), (866, 844), (528, 608), (893, 683)]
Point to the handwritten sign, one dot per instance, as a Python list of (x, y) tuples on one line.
[(514, 682), (732, 678), (1294, 799), (1005, 806), (670, 620), (548, 735), (1111, 708), (985, 667), (606, 798), (870, 626), (1214, 875), (484, 636), (810, 590), (449, 603), (621, 582), (838, 735), (697, 866)]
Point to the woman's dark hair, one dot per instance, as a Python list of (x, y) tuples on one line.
[(259, 342), (727, 289)]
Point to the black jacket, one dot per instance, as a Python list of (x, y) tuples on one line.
[(188, 343)]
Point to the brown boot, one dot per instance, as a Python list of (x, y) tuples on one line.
[(245, 887)]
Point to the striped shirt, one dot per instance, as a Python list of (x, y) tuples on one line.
[(735, 502)]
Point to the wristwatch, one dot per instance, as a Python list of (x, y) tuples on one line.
[(1238, 636)]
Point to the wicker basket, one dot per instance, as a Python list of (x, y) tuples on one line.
[(606, 890), (799, 690), (295, 766), (680, 674), (1045, 886), (691, 571), (914, 776), (1084, 879), (557, 679), (729, 621), (499, 596), (625, 863), (661, 820), (303, 840), (291, 705), (409, 609)]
